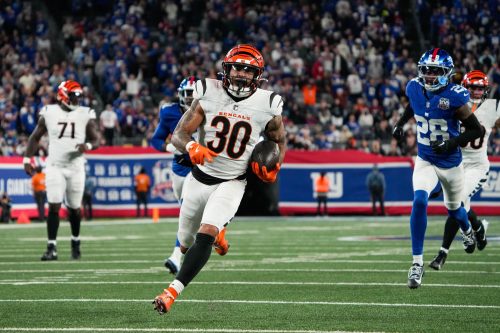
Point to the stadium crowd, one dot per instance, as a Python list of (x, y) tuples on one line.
[(341, 65)]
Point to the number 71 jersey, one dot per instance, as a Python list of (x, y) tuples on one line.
[(232, 128), (435, 114), (66, 129)]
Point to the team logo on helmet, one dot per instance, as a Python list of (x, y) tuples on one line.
[(242, 57), (69, 94), (185, 92), (477, 83), (435, 69)]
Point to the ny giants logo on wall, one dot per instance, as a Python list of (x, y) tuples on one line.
[(162, 181), (336, 184)]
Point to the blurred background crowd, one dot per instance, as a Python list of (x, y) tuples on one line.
[(342, 66)]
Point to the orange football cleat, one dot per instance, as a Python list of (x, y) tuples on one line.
[(164, 301), (221, 245)]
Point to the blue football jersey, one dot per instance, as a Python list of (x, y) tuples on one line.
[(435, 116), (170, 114)]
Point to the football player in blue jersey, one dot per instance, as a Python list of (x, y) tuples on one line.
[(170, 114), (438, 107)]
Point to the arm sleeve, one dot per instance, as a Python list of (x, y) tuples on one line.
[(161, 133), (473, 130), (407, 115)]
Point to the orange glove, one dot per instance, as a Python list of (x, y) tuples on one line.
[(263, 174), (198, 153)]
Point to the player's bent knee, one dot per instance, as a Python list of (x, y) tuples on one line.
[(209, 229), (420, 199), (186, 239), (453, 206)]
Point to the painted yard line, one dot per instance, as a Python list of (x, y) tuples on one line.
[(40, 281), (264, 261), (111, 300), (207, 330), (215, 269)]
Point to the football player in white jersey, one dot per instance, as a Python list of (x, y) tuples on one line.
[(72, 130), (230, 115), (475, 160)]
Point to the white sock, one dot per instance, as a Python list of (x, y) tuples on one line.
[(177, 285), (468, 231), (419, 259), (176, 255), (52, 242), (76, 239), (444, 250)]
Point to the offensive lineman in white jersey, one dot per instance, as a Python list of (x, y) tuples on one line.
[(72, 130), (230, 115), (475, 161)]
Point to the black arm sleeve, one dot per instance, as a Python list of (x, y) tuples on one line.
[(473, 130), (407, 115)]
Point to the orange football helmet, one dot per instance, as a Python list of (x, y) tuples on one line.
[(477, 83), (242, 57), (69, 93)]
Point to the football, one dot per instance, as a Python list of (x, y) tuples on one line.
[(266, 153)]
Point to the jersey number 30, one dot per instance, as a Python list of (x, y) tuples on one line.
[(229, 143), (436, 127)]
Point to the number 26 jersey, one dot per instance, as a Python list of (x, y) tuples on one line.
[(66, 129), (435, 116), (232, 128)]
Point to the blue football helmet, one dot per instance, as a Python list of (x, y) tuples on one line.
[(435, 69), (185, 92)]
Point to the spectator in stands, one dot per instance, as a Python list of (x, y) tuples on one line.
[(375, 182), (109, 123), (142, 185), (322, 187), (5, 204), (39, 192)]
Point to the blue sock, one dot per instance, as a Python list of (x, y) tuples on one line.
[(461, 216), (177, 243), (418, 221)]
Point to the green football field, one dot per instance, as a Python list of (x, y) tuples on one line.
[(280, 275)]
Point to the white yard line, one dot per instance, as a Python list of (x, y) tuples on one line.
[(265, 261), (44, 280), (116, 300), (196, 330), (104, 271)]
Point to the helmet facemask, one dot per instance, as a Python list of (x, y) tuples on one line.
[(185, 98), (239, 82), (434, 77)]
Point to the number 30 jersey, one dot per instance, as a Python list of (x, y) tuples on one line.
[(232, 128), (435, 116), (65, 129), (487, 113)]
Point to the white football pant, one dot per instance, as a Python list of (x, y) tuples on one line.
[(426, 176), (65, 181), (177, 185), (476, 175), (207, 204)]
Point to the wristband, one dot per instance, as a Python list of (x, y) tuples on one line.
[(26, 160), (88, 145), (189, 144)]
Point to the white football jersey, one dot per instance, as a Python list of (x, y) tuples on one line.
[(487, 112), (232, 128), (66, 129)]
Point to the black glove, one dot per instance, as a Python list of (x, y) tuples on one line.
[(183, 160), (398, 133), (444, 147)]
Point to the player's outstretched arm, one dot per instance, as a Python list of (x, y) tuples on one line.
[(275, 131), (33, 140)]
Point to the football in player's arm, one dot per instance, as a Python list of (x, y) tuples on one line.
[(230, 115), (72, 130)]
